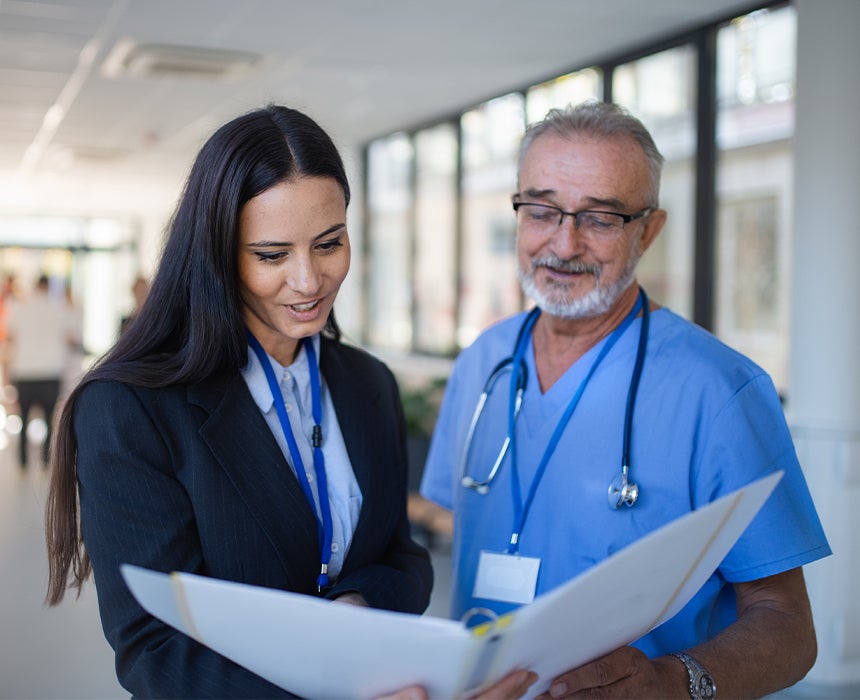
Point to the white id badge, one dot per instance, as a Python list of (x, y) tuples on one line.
[(509, 578)]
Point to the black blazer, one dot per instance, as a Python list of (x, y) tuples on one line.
[(192, 479)]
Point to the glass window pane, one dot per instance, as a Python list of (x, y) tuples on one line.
[(755, 123), (660, 90), (435, 239), (489, 291), (569, 89), (389, 193)]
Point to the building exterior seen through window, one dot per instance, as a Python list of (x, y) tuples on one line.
[(435, 280), (389, 287)]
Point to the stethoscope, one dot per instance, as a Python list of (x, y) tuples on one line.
[(622, 491)]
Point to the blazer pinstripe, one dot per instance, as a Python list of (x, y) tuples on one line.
[(191, 479)]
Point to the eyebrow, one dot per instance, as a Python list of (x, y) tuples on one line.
[(538, 194), (286, 244), (609, 202)]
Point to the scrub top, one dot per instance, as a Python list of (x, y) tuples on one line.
[(707, 421)]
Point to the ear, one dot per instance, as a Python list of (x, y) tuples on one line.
[(653, 225)]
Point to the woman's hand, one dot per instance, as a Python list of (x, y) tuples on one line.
[(511, 687), (352, 598)]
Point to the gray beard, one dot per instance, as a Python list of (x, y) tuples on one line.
[(596, 303)]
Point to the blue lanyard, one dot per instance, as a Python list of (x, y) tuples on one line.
[(521, 510), (325, 529)]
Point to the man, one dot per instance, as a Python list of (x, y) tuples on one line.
[(704, 422), (41, 333)]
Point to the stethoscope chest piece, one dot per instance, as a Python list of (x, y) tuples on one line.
[(623, 492), (481, 487)]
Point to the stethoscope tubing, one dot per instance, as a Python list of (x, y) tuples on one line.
[(623, 493), (482, 487)]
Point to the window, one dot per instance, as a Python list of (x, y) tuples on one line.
[(442, 236), (572, 89), (389, 245), (755, 123), (436, 239), (660, 90), (489, 289)]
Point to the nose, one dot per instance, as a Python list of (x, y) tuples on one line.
[(303, 276), (568, 241)]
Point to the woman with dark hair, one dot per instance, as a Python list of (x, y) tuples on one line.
[(229, 432)]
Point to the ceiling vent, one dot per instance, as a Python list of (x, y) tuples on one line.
[(130, 59)]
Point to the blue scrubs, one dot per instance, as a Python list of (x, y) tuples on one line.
[(707, 421)]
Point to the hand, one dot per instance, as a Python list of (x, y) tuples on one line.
[(623, 673), (511, 687), (353, 598), (413, 692)]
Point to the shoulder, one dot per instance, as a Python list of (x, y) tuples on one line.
[(338, 356), (343, 364), (114, 399), (494, 343), (110, 397), (690, 350)]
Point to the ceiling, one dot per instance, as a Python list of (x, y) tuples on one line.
[(98, 97)]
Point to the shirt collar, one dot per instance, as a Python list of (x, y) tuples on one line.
[(255, 377)]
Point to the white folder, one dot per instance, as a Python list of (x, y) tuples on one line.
[(318, 649)]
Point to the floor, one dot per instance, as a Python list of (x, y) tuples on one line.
[(60, 653), (44, 652)]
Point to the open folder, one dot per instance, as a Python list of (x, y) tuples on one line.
[(318, 649)]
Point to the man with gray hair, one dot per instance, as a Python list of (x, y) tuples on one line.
[(597, 385)]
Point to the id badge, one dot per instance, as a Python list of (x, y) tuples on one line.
[(508, 578)]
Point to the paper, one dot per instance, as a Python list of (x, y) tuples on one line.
[(315, 648)]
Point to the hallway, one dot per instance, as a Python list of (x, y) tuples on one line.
[(45, 653)]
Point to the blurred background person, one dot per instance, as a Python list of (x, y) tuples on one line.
[(76, 353), (139, 290), (7, 295), (40, 332)]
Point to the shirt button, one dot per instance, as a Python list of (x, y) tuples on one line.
[(310, 477), (334, 546), (289, 407)]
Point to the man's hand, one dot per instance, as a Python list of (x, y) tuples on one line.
[(623, 673)]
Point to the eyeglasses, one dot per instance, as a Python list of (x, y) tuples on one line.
[(595, 225)]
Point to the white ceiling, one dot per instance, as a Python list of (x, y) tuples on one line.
[(360, 67)]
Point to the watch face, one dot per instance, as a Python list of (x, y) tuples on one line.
[(706, 687)]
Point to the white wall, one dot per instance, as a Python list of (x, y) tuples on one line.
[(824, 402)]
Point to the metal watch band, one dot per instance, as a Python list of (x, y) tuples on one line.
[(702, 686)]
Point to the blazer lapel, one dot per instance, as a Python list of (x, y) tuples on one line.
[(356, 401), (244, 446), (353, 400)]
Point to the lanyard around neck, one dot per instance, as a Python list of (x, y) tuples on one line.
[(521, 509), (324, 528)]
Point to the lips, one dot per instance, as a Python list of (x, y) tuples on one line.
[(307, 306)]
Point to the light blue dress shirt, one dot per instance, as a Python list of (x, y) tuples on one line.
[(343, 491)]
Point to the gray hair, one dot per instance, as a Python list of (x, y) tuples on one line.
[(602, 120)]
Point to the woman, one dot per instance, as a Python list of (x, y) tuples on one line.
[(229, 432)]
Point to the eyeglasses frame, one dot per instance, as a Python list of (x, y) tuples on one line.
[(625, 218)]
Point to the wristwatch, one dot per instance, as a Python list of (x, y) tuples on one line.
[(702, 686)]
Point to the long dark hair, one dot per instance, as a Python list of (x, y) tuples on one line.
[(190, 327)]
